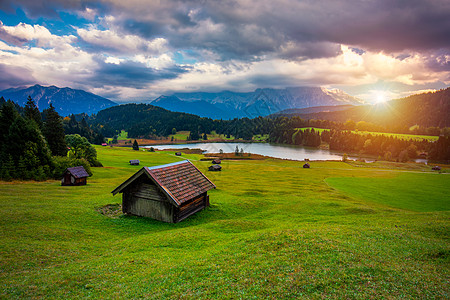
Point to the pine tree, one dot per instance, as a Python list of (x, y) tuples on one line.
[(8, 115), (54, 132), (32, 112), (135, 145)]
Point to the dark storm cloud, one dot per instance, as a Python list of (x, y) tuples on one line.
[(131, 74), (14, 76), (244, 29), (310, 50), (40, 8)]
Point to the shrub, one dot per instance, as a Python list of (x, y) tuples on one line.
[(403, 156), (62, 163)]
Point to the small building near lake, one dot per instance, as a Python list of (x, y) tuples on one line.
[(306, 166), (216, 161), (134, 162), (168, 193), (74, 176), (178, 153)]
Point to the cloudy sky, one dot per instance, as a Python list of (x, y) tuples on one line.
[(136, 50)]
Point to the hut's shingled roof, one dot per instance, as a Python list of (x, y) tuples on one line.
[(78, 172), (181, 181)]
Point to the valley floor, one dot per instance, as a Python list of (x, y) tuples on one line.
[(273, 230)]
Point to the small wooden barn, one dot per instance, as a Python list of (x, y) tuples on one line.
[(74, 176), (216, 161), (134, 162), (306, 166), (169, 193), (178, 153), (215, 168)]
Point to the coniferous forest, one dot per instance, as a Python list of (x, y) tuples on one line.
[(34, 145)]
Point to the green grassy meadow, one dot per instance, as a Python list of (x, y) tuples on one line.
[(320, 130), (273, 230), (395, 135), (400, 135)]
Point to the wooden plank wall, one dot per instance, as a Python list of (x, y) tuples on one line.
[(191, 207), (144, 199)]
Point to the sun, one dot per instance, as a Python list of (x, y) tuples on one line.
[(380, 98)]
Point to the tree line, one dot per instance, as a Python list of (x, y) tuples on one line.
[(383, 147), (33, 145)]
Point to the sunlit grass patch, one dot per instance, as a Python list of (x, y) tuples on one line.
[(417, 192)]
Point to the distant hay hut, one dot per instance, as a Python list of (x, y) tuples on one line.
[(178, 153), (74, 176), (216, 161), (306, 166), (436, 168), (215, 168), (168, 193), (134, 162)]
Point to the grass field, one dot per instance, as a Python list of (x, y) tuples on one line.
[(273, 230), (401, 135), (320, 130), (396, 135)]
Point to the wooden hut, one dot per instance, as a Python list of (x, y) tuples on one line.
[(306, 166), (216, 161), (436, 168), (178, 153), (215, 168), (168, 193), (134, 162), (74, 176)]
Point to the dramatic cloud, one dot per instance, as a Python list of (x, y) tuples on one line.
[(14, 76), (24, 33), (138, 48), (130, 74), (115, 42)]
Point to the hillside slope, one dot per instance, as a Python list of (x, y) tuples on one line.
[(427, 109)]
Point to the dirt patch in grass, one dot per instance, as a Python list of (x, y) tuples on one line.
[(439, 254), (111, 210), (360, 210)]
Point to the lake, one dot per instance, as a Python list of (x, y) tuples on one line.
[(273, 150)]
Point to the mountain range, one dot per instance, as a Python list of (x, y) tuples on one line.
[(427, 109), (430, 109), (65, 100), (261, 102)]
